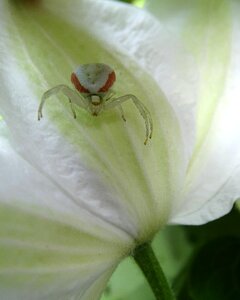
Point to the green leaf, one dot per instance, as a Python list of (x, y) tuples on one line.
[(215, 271)]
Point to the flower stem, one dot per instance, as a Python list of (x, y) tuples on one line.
[(148, 263)]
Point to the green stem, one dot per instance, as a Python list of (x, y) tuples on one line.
[(148, 263)]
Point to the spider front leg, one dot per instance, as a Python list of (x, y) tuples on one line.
[(68, 92), (72, 108), (109, 97), (141, 108), (122, 112)]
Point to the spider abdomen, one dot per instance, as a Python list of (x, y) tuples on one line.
[(93, 78)]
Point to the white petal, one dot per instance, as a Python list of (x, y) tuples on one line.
[(137, 39), (212, 181), (49, 247), (94, 159), (212, 185)]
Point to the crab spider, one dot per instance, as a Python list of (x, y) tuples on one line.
[(92, 83)]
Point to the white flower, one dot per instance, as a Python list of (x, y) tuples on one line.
[(76, 196)]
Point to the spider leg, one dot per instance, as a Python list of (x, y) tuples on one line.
[(122, 112), (109, 95), (68, 92), (141, 108), (72, 108)]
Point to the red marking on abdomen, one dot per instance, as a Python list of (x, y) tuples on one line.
[(77, 84), (109, 83)]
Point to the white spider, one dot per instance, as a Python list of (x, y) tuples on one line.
[(93, 83)]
